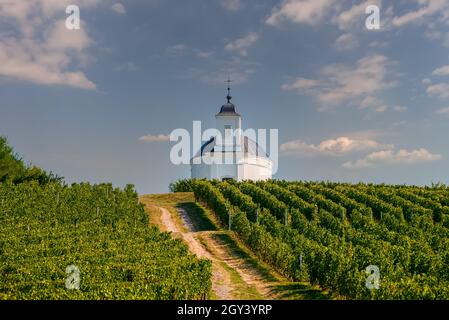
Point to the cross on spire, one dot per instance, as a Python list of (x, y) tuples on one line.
[(229, 89)]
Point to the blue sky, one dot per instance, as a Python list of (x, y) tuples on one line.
[(351, 104)]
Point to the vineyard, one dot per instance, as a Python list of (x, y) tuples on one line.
[(55, 236), (339, 235)]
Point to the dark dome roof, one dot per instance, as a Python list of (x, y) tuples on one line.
[(228, 109)]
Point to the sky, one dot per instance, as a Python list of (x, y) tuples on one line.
[(351, 103)]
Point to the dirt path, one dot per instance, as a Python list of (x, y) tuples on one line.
[(169, 224), (248, 274), (221, 282), (236, 272), (226, 266)]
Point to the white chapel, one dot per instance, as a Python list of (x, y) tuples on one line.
[(248, 160)]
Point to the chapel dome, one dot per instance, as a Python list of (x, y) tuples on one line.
[(228, 109)]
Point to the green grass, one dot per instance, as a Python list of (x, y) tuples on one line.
[(300, 291), (242, 291), (238, 250), (169, 201)]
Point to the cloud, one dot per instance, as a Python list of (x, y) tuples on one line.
[(440, 90), (443, 111), (177, 49), (42, 50), (215, 71), (314, 12), (331, 147), (238, 75), (399, 108), (390, 157), (155, 138), (381, 108), (355, 15), (118, 8), (369, 76), (441, 71), (373, 103), (231, 5), (435, 31), (310, 12), (180, 49), (432, 15), (242, 45), (369, 102), (346, 42), (344, 83), (300, 83), (428, 9), (203, 54), (379, 44), (380, 154)]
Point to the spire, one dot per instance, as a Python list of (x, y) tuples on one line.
[(228, 109), (229, 89)]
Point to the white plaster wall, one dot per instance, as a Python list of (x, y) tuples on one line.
[(200, 171), (236, 123), (254, 168), (213, 171), (225, 171)]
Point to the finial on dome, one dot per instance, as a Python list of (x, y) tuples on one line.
[(229, 89)]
